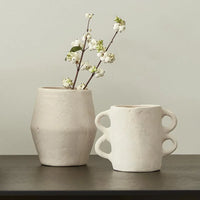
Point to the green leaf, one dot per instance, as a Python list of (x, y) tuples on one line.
[(75, 48)]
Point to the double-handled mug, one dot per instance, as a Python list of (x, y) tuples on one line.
[(136, 135)]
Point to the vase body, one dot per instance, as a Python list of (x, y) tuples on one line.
[(63, 126), (136, 136)]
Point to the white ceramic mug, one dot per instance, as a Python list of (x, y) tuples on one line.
[(136, 135)]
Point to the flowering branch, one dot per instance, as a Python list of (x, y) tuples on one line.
[(92, 75), (78, 68), (83, 50), (74, 56)]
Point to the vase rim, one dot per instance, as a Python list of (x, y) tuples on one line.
[(135, 106), (62, 89)]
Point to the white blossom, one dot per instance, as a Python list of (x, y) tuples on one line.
[(73, 57), (85, 66), (67, 82), (81, 86), (119, 25), (100, 54), (116, 26), (102, 58), (107, 57), (122, 28), (77, 43), (92, 44), (88, 36), (89, 15), (99, 73)]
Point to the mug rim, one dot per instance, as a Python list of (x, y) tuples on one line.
[(136, 106)]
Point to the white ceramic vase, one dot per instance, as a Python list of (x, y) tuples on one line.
[(136, 136), (63, 126)]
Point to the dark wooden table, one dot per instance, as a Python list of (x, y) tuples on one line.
[(22, 177)]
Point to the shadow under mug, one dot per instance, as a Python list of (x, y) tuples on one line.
[(136, 135)]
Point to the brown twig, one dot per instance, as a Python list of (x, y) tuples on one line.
[(88, 24), (100, 61)]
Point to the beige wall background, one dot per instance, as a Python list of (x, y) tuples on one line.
[(157, 60)]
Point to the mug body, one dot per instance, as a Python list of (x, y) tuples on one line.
[(136, 137), (63, 126)]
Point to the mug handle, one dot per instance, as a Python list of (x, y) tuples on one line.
[(104, 137), (168, 130)]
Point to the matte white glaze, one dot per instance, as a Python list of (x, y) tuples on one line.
[(136, 135), (63, 126)]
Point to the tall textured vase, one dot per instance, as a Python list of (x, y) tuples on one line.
[(63, 126)]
